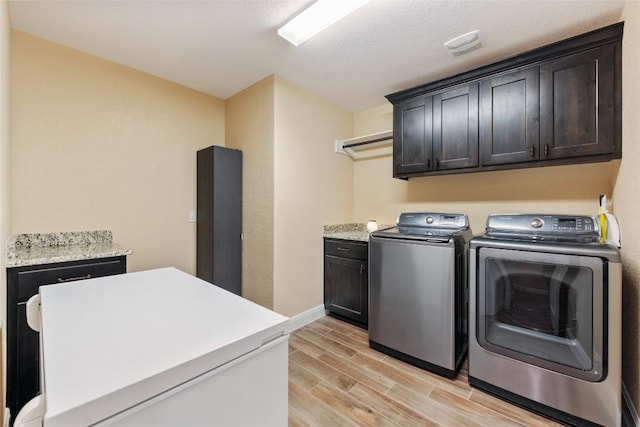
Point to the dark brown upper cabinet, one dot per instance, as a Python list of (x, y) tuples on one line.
[(438, 132), (577, 104), (413, 122), (455, 128), (509, 113), (559, 104)]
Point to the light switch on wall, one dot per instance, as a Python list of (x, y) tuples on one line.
[(193, 216)]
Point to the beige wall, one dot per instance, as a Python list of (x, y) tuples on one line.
[(97, 145), (313, 187), (293, 183), (5, 173), (250, 128), (626, 201), (559, 189)]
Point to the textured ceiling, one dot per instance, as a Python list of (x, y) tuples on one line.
[(221, 47)]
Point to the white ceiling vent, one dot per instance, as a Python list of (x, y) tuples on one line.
[(464, 43)]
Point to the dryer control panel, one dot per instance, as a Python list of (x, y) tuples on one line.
[(532, 224)]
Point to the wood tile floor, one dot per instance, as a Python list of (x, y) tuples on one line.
[(335, 379)]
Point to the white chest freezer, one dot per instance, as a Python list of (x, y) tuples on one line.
[(157, 348)]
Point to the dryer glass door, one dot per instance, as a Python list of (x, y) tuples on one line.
[(544, 309)]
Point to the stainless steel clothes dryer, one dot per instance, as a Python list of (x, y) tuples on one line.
[(545, 322), (418, 290)]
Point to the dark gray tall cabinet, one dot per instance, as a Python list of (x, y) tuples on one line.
[(219, 224)]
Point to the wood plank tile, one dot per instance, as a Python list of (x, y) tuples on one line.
[(361, 413), (295, 420), (302, 377), (394, 374), (459, 386), (323, 371), (487, 416), (361, 337), (353, 380), (313, 412), (361, 346), (317, 327), (300, 343), (512, 411), (326, 343), (357, 372), (430, 409), (389, 407), (344, 327)]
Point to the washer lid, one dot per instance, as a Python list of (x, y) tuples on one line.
[(440, 235), (427, 226)]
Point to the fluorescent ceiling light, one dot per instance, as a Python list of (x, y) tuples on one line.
[(316, 18)]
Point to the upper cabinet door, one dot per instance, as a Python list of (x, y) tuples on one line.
[(455, 128), (509, 108), (412, 139), (577, 104)]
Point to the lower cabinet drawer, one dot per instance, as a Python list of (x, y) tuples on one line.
[(30, 280), (346, 249)]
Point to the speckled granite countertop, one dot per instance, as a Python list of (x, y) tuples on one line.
[(46, 248), (349, 231)]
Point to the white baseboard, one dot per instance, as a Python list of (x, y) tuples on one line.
[(630, 406), (301, 319), (7, 417)]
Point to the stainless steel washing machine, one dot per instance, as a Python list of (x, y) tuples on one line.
[(545, 322), (418, 290)]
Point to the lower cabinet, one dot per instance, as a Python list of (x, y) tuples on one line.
[(346, 285), (23, 353)]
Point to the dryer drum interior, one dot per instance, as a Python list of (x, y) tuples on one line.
[(536, 309)]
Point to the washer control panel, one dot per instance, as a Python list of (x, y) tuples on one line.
[(429, 219)]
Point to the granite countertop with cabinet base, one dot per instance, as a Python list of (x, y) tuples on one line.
[(349, 231), (46, 248)]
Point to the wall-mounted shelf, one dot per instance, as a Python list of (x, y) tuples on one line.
[(367, 146)]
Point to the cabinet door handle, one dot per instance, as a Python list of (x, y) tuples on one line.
[(546, 150), (362, 267), (532, 151), (437, 163), (344, 249), (73, 279), (428, 163)]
